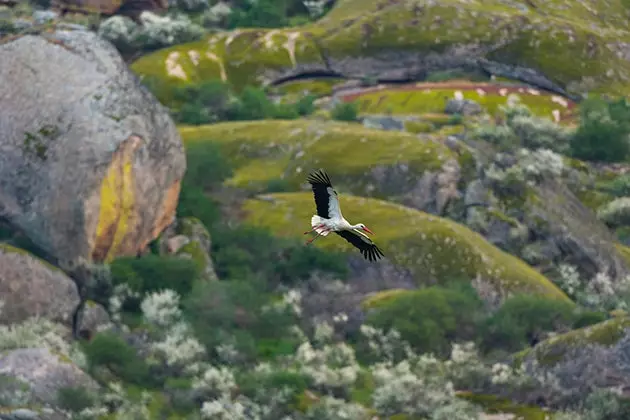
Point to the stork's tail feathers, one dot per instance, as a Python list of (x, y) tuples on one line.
[(317, 221)]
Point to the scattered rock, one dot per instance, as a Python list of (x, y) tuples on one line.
[(92, 318), (44, 372), (189, 238), (434, 190), (90, 169), (31, 287), (383, 123), (464, 107), (476, 194), (42, 16), (558, 217), (20, 414), (174, 244)]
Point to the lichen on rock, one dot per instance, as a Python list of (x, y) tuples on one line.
[(91, 162)]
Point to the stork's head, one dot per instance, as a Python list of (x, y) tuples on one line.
[(365, 228)]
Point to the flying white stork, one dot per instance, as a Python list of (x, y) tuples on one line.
[(329, 218)]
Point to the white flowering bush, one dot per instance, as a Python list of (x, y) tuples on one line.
[(540, 163), (38, 332), (529, 167), (523, 128), (173, 340), (418, 387), (154, 31), (597, 293), (163, 31), (331, 366), (616, 213), (119, 30), (331, 408), (535, 132), (315, 7)]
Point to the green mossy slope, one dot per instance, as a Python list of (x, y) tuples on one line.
[(263, 151), (577, 45), (239, 57), (570, 42), (553, 349), (430, 246), (414, 99)]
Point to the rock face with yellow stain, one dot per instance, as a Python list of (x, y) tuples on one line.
[(90, 162)]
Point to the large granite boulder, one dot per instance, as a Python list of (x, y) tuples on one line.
[(90, 162), (30, 287)]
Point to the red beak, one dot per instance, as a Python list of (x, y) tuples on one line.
[(368, 230)]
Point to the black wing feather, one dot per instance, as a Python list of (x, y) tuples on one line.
[(320, 182), (368, 248)]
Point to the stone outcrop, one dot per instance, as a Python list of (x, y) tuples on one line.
[(30, 287), (188, 238), (91, 162), (43, 373)]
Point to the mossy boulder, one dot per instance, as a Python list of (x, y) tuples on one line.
[(554, 349), (422, 172), (432, 248), (188, 238), (198, 247), (560, 45), (32, 287)]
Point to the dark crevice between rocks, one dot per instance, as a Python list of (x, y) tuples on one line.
[(308, 75)]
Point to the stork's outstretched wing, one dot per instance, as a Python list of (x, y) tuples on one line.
[(368, 248), (326, 199)]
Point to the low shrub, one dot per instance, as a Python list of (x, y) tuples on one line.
[(523, 320), (108, 350), (152, 272), (603, 133), (345, 111), (431, 319), (75, 399), (245, 252), (237, 312), (214, 101)]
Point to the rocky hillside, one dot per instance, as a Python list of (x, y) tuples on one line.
[(153, 198)]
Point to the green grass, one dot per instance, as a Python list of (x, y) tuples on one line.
[(421, 101), (263, 151), (318, 87), (431, 247)]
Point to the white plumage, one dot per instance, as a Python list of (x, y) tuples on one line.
[(330, 219)]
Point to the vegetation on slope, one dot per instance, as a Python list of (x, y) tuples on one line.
[(434, 248), (514, 35), (266, 151)]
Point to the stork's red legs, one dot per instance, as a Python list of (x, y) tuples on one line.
[(314, 227), (316, 236)]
